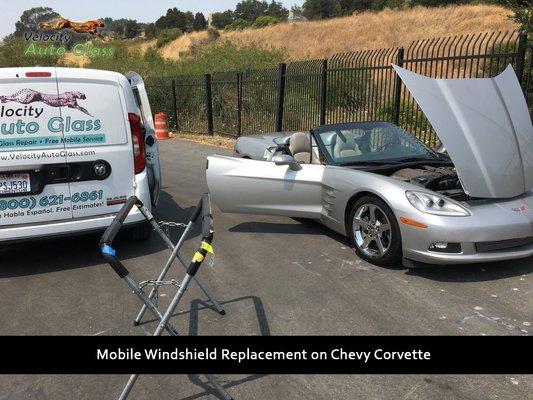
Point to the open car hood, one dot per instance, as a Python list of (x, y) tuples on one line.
[(485, 125)]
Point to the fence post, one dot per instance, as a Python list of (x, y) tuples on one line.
[(323, 92), (175, 103), (281, 97), (521, 56), (397, 89), (209, 104), (239, 103)]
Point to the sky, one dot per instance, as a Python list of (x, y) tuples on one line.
[(141, 10)]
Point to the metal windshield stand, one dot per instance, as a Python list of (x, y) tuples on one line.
[(204, 209)]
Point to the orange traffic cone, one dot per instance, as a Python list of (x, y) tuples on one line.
[(161, 126)]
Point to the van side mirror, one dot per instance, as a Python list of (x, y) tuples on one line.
[(285, 159)]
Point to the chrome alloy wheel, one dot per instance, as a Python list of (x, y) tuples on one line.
[(372, 230)]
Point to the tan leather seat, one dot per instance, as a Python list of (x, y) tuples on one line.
[(300, 147), (347, 148)]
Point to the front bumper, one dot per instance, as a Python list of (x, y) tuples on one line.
[(467, 256), (509, 222)]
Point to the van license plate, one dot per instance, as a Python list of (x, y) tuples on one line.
[(15, 183)]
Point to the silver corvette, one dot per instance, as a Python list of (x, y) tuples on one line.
[(393, 196)]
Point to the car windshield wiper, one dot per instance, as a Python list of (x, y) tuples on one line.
[(414, 159), (365, 163)]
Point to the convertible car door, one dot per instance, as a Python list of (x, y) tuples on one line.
[(245, 186)]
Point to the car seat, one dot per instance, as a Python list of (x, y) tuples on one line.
[(300, 147), (345, 148)]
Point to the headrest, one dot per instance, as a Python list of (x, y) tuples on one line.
[(300, 143), (345, 148)]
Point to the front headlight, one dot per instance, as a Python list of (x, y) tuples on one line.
[(435, 204)]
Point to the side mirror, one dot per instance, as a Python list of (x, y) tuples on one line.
[(285, 159), (282, 144)]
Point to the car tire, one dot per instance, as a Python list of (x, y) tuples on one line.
[(141, 232), (372, 241)]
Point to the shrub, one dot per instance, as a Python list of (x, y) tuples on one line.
[(223, 56), (12, 51), (265, 20), (523, 14), (168, 35), (222, 19), (238, 25), (227, 56), (125, 58), (213, 34)]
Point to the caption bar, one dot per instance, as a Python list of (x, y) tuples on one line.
[(268, 354)]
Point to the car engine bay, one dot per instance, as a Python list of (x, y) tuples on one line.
[(443, 180)]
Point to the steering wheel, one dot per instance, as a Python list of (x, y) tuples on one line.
[(385, 145)]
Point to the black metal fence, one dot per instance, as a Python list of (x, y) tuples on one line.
[(355, 86)]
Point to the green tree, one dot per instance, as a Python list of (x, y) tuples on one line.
[(394, 4), (161, 23), (150, 30), (321, 9), (122, 27), (131, 29), (30, 19), (187, 21), (200, 23), (351, 6), (175, 18), (276, 9), (297, 13), (221, 19), (118, 30), (523, 14), (249, 10)]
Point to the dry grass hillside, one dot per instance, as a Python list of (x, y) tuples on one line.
[(182, 44), (388, 28)]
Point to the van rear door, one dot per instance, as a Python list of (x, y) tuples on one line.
[(152, 146), (97, 139), (33, 167)]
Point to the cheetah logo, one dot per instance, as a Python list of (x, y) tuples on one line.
[(89, 27), (66, 99)]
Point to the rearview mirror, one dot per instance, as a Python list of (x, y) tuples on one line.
[(285, 159)]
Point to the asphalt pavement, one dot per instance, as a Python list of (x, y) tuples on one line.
[(275, 276)]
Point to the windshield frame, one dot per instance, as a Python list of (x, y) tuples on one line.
[(316, 131)]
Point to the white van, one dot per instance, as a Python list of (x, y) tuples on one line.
[(74, 145)]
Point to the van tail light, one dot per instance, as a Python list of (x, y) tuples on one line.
[(139, 154), (38, 74)]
